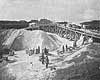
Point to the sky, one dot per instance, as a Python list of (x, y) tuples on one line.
[(55, 10)]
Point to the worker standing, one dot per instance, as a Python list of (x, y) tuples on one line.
[(33, 51), (63, 49), (38, 49), (45, 51), (66, 47), (42, 57), (47, 61)]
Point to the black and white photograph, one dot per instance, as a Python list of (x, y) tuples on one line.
[(49, 39)]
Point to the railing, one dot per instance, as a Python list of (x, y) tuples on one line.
[(81, 31)]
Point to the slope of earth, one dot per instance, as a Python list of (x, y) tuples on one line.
[(23, 39), (25, 67), (81, 65), (4, 35), (85, 65)]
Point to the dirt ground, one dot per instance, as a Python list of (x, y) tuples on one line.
[(75, 65), (25, 67)]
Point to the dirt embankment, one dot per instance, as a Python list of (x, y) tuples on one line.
[(23, 39), (86, 62), (86, 65)]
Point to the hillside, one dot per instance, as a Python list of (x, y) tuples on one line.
[(79, 64), (82, 64), (23, 39), (85, 65), (6, 24)]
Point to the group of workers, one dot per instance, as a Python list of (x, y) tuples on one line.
[(44, 57), (65, 48), (33, 51)]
